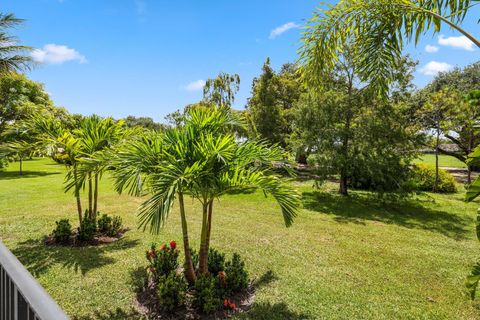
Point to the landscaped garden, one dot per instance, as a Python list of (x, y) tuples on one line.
[(312, 200), (343, 258)]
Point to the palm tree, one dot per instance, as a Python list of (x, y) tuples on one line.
[(378, 30), (11, 57), (203, 160)]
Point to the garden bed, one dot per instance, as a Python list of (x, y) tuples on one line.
[(98, 239), (149, 306)]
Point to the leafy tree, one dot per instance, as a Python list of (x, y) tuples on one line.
[(143, 122), (202, 159), (221, 90), (437, 114), (272, 101), (12, 57), (378, 30), (366, 141)]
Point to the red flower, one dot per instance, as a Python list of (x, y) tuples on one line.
[(226, 303), (173, 244), (152, 269), (151, 253), (221, 274), (229, 304), (163, 247), (233, 306)]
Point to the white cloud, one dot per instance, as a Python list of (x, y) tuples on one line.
[(434, 67), (57, 54), (460, 42), (195, 85), (284, 28), (431, 49)]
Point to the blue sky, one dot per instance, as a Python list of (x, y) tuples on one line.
[(149, 57)]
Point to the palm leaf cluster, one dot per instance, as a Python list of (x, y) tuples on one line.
[(12, 57), (378, 31)]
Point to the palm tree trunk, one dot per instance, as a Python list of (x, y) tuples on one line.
[(188, 267), (95, 197), (77, 194), (209, 229), (90, 196), (203, 255)]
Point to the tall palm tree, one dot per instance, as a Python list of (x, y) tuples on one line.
[(12, 57), (200, 159)]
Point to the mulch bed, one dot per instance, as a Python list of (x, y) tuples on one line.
[(148, 305), (98, 239)]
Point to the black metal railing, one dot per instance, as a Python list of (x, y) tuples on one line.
[(21, 297)]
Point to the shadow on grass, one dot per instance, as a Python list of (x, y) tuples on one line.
[(117, 314), (38, 258), (11, 175), (357, 208)]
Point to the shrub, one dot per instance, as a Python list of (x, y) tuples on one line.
[(207, 297), (108, 225), (171, 291), (164, 260), (216, 261), (62, 231), (236, 275), (195, 258), (116, 225), (87, 229), (423, 179)]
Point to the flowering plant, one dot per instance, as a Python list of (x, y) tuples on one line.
[(162, 261)]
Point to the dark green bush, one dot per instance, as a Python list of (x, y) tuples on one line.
[(171, 291), (62, 231), (216, 261), (87, 229), (195, 258), (423, 179), (163, 261), (236, 275), (207, 297), (108, 225)]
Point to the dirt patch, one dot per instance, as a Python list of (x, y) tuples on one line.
[(98, 239)]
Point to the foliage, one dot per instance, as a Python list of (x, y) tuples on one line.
[(13, 57), (108, 225), (349, 133), (201, 158), (163, 261), (171, 291), (221, 90), (236, 275), (216, 261), (143, 122), (87, 229), (273, 98), (391, 25), (62, 231), (207, 297), (423, 179)]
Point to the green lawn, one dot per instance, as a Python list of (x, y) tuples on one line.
[(443, 160), (344, 258)]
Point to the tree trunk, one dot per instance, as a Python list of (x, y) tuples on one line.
[(203, 255), (188, 266), (343, 190), (77, 194), (469, 175), (435, 185), (90, 196), (209, 229), (343, 184), (95, 198), (21, 166)]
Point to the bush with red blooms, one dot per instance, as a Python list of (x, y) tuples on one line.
[(229, 304), (162, 261)]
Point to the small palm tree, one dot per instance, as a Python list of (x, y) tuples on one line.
[(11, 57), (203, 160)]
